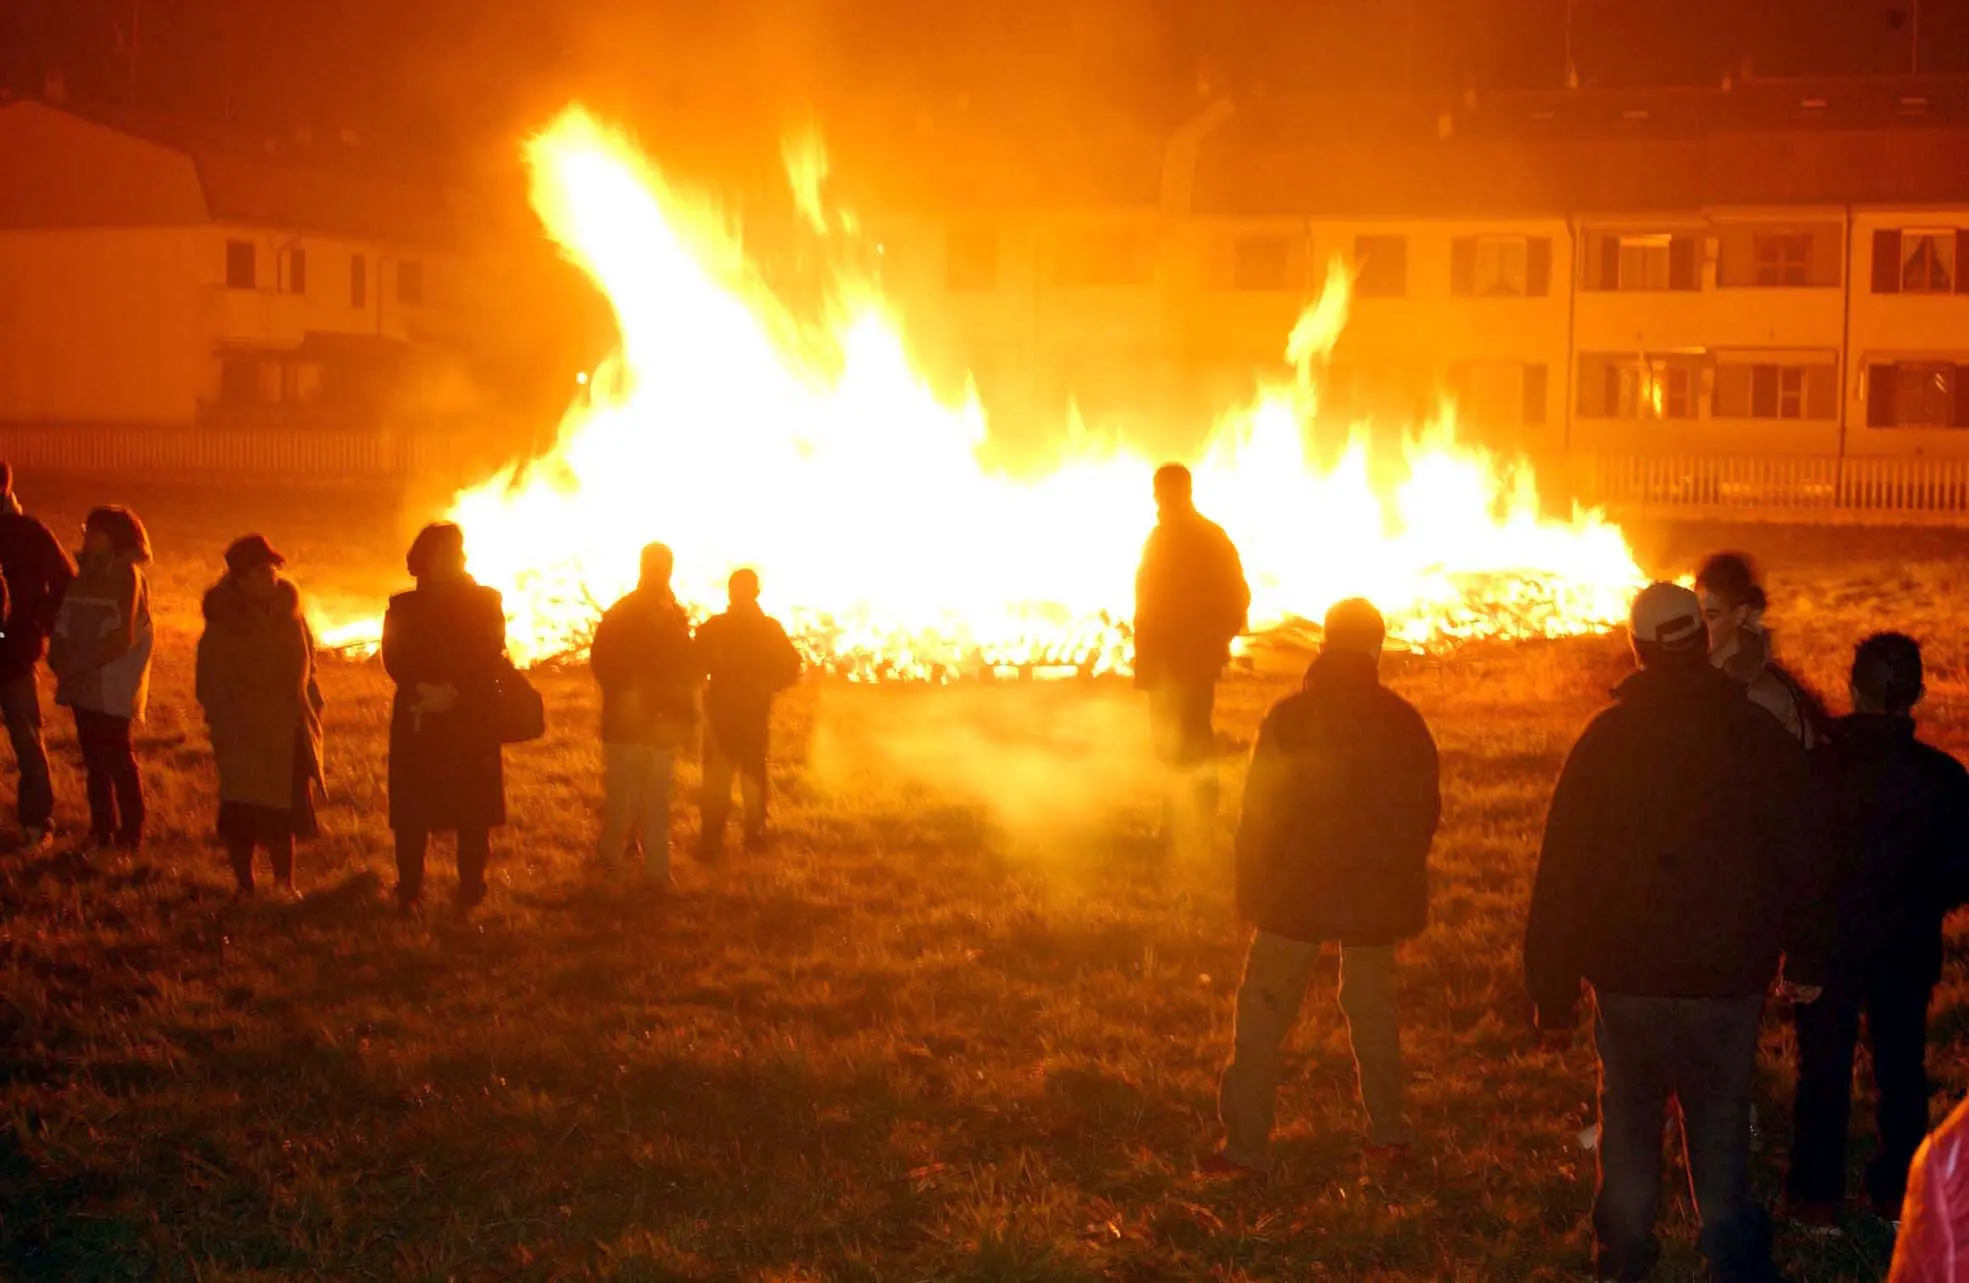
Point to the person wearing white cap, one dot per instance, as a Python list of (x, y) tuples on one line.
[(1679, 864)]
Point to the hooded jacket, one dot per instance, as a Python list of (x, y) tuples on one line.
[(1680, 857), (256, 683), (100, 646), (1896, 813), (1340, 809)]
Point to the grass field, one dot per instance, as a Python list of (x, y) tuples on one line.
[(962, 1024)]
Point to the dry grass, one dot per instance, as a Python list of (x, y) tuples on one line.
[(963, 1024)]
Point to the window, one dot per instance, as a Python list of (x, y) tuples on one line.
[(971, 260), (1380, 266), (1915, 394), (358, 281), (1500, 266), (1777, 392), (296, 276), (1632, 261), (1261, 263), (1101, 258), (1624, 387), (1784, 258), (1927, 262), (1643, 263), (239, 265), (410, 281)]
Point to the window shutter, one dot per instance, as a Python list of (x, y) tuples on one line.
[(1732, 392), (1590, 388), (1463, 266), (1682, 263), (1880, 383), (1962, 396), (1763, 391), (1610, 391), (1821, 392), (1538, 276), (1609, 262), (1534, 381), (1886, 267), (1961, 261)]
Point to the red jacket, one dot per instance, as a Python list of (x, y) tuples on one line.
[(1934, 1240)]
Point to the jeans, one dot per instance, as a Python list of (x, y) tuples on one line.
[(474, 851), (1276, 973), (1180, 727), (1897, 1037), (20, 705), (636, 783), (1702, 1052), (116, 790), (727, 756)]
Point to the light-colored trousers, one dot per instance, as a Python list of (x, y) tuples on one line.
[(637, 782), (1276, 974)]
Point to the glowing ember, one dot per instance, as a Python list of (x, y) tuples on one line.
[(742, 434)]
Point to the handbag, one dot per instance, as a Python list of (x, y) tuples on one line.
[(521, 712)]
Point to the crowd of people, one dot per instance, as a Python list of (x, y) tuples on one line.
[(1716, 842)]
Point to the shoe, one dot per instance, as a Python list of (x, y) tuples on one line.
[(410, 906), (34, 839), (1815, 1220), (758, 843), (466, 901), (1217, 1163), (284, 893)]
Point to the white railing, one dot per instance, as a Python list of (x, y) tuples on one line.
[(1806, 486), (301, 456)]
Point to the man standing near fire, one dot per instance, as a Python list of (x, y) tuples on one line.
[(1190, 602), (747, 659)]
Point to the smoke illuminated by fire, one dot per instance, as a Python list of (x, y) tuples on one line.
[(808, 447)]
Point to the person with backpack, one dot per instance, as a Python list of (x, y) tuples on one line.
[(641, 658), (37, 571), (1897, 820), (1340, 810), (1678, 867), (1733, 606)]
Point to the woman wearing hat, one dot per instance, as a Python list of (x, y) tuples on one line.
[(444, 644), (100, 652), (256, 683)]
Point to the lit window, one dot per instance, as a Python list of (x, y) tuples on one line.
[(1784, 258), (1500, 266), (1644, 263), (1927, 262)]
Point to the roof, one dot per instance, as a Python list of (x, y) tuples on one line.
[(59, 168)]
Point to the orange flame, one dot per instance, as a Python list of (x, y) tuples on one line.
[(809, 448)]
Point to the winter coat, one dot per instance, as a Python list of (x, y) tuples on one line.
[(1680, 856), (446, 773), (1897, 820), (1339, 811), (1190, 602), (37, 571), (256, 683), (1933, 1244), (747, 659), (100, 647), (642, 660)]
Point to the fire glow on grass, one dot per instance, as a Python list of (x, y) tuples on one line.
[(808, 447)]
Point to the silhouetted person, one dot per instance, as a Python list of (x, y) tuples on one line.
[(747, 658), (1933, 1243), (1733, 605), (256, 683), (642, 660), (100, 651), (1339, 811), (444, 645), (1678, 863), (1897, 821), (36, 571), (1190, 602)]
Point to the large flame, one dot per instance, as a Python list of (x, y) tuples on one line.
[(807, 447)]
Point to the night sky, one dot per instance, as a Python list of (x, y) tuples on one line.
[(415, 78)]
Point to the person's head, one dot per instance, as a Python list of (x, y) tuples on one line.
[(1887, 675), (438, 552), (253, 564), (743, 587), (1731, 600), (1355, 627), (1172, 489), (113, 531), (1665, 627), (657, 566)]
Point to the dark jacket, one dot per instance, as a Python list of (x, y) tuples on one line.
[(445, 769), (642, 660), (37, 571), (1339, 811), (1190, 601), (1680, 858), (747, 658), (1897, 820)]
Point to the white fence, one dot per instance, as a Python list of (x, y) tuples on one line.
[(1805, 487), (302, 457)]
